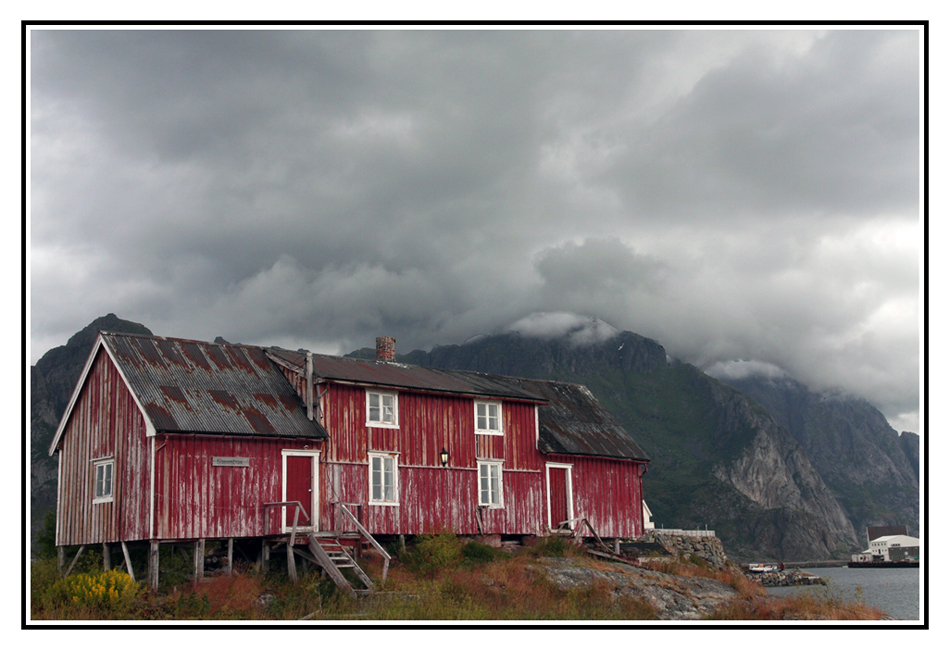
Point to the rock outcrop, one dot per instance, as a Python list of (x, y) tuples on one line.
[(673, 597)]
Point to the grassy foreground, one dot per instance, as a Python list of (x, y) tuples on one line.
[(438, 578)]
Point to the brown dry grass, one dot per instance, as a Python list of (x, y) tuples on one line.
[(479, 584)]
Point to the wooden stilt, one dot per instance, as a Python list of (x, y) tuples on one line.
[(153, 565), (265, 556), (73, 563), (61, 558), (106, 557), (199, 560), (128, 561), (291, 563), (230, 555)]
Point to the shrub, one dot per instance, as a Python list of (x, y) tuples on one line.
[(552, 547), (111, 594), (479, 553), (432, 554)]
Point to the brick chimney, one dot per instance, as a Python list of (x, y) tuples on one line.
[(385, 348)]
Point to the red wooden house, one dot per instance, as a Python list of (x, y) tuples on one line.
[(170, 441)]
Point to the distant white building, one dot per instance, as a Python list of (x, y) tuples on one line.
[(647, 515), (890, 548)]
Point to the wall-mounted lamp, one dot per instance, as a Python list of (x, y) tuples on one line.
[(444, 457)]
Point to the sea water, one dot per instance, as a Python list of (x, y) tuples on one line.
[(896, 592)]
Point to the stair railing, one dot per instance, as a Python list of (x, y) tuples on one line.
[(372, 540), (583, 521), (298, 509)]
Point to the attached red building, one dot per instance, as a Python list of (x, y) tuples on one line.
[(173, 440)]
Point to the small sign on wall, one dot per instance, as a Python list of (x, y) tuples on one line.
[(230, 461)]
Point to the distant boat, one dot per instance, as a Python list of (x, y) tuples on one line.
[(764, 568)]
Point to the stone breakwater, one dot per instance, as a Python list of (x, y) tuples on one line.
[(707, 547), (786, 578)]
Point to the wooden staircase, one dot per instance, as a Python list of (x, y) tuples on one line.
[(332, 556)]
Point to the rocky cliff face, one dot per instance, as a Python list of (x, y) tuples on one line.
[(872, 471)]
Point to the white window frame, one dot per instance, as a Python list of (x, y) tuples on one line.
[(105, 466), (381, 394), (382, 457), (496, 497), (498, 430)]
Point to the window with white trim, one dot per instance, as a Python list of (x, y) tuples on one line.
[(383, 479), (104, 470), (488, 418), (489, 484), (382, 409)]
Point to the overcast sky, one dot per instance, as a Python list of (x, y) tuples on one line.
[(750, 199)]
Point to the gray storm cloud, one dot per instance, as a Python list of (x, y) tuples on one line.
[(733, 194)]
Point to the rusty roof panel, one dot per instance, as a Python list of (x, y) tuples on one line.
[(400, 375), (197, 387), (573, 422), (570, 419)]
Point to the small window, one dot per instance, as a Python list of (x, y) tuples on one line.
[(488, 418), (381, 409), (489, 484), (103, 488), (383, 479)]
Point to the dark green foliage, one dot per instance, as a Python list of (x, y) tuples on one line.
[(432, 554), (478, 553), (46, 538)]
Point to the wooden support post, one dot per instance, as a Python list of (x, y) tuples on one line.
[(199, 560), (106, 557), (617, 545), (153, 565), (291, 563), (128, 561), (61, 558), (228, 571), (265, 556), (73, 563)]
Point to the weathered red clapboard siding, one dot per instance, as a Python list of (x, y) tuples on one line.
[(427, 424), (111, 425), (431, 497), (194, 499), (606, 492)]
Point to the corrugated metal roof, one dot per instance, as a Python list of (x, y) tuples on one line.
[(573, 422), (196, 387), (570, 419), (400, 375)]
